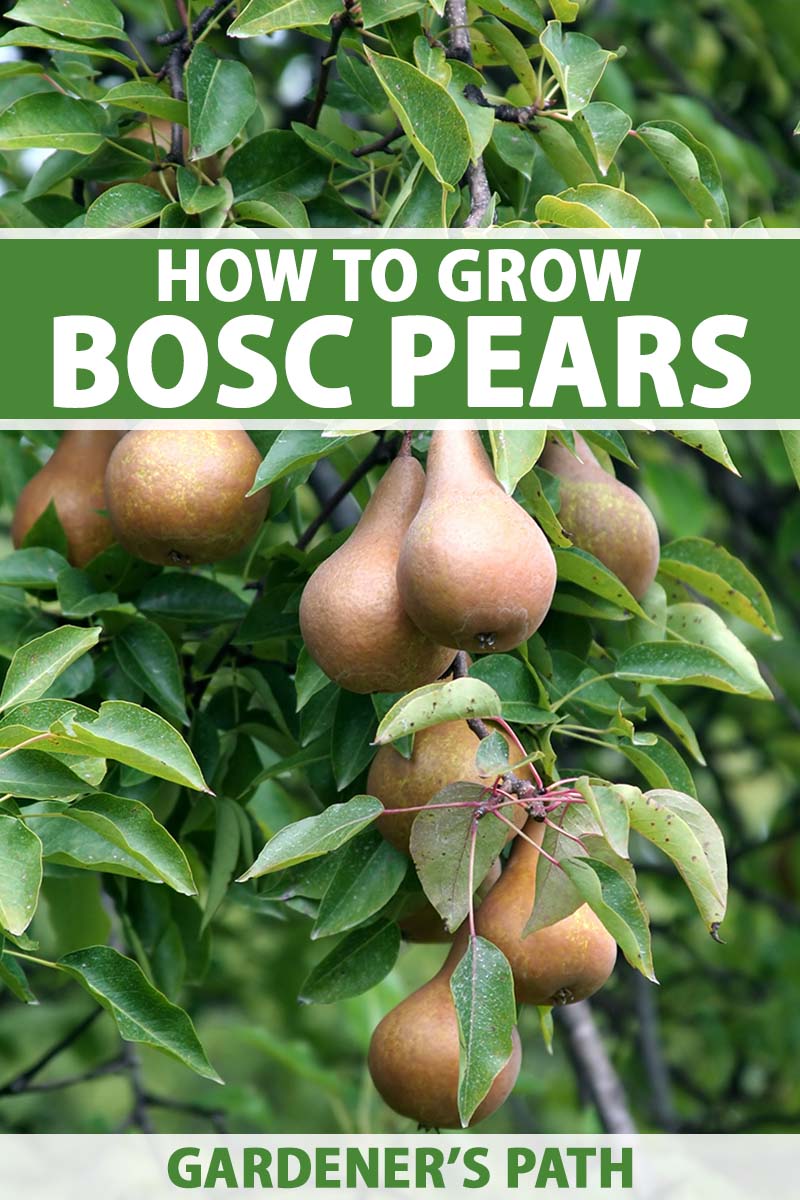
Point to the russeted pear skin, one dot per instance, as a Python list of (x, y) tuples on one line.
[(442, 754), (560, 964), (73, 479), (414, 1053), (351, 618), (475, 570), (603, 516), (178, 497)]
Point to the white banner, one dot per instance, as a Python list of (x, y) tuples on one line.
[(139, 1167)]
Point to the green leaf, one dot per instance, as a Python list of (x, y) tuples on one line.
[(20, 874), (699, 624), (138, 738), (615, 902), (522, 13), (52, 121), (516, 686), (309, 679), (351, 745), (227, 844), (150, 98), (604, 128), (77, 595), (580, 567), (268, 16), (429, 116), (681, 663), (675, 719), (13, 977), (126, 206), (47, 530), (453, 700), (314, 836), (565, 10), (515, 453), (537, 503), (280, 162), (369, 872), (359, 961), (221, 96), (660, 764), (141, 1012), (577, 62), (129, 826), (197, 197), (291, 450), (709, 442), (280, 210), (39, 39), (595, 206), (190, 598), (679, 826), (35, 775), (31, 569), (440, 848), (566, 150), (148, 657), (511, 51), (491, 757), (791, 444), (482, 988), (82, 19), (37, 665), (691, 166), (714, 572), (610, 807)]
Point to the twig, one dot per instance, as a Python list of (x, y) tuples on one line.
[(512, 113), (594, 1068), (215, 1115), (20, 1082), (480, 194), (139, 1116), (339, 23), (182, 41), (113, 1067), (381, 144)]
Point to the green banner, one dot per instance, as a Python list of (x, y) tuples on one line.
[(340, 328)]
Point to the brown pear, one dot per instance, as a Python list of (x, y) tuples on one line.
[(414, 1055), (424, 924), (179, 497), (442, 754), (475, 570), (73, 480), (351, 618), (559, 964), (603, 516)]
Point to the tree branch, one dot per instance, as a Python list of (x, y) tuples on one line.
[(21, 1082), (595, 1071), (381, 144), (655, 1065), (339, 22), (480, 194)]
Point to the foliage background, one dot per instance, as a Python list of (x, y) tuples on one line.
[(714, 1048)]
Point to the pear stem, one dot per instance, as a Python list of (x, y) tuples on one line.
[(381, 452)]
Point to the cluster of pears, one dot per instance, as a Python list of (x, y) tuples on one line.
[(438, 563), (414, 1051), (172, 497)]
